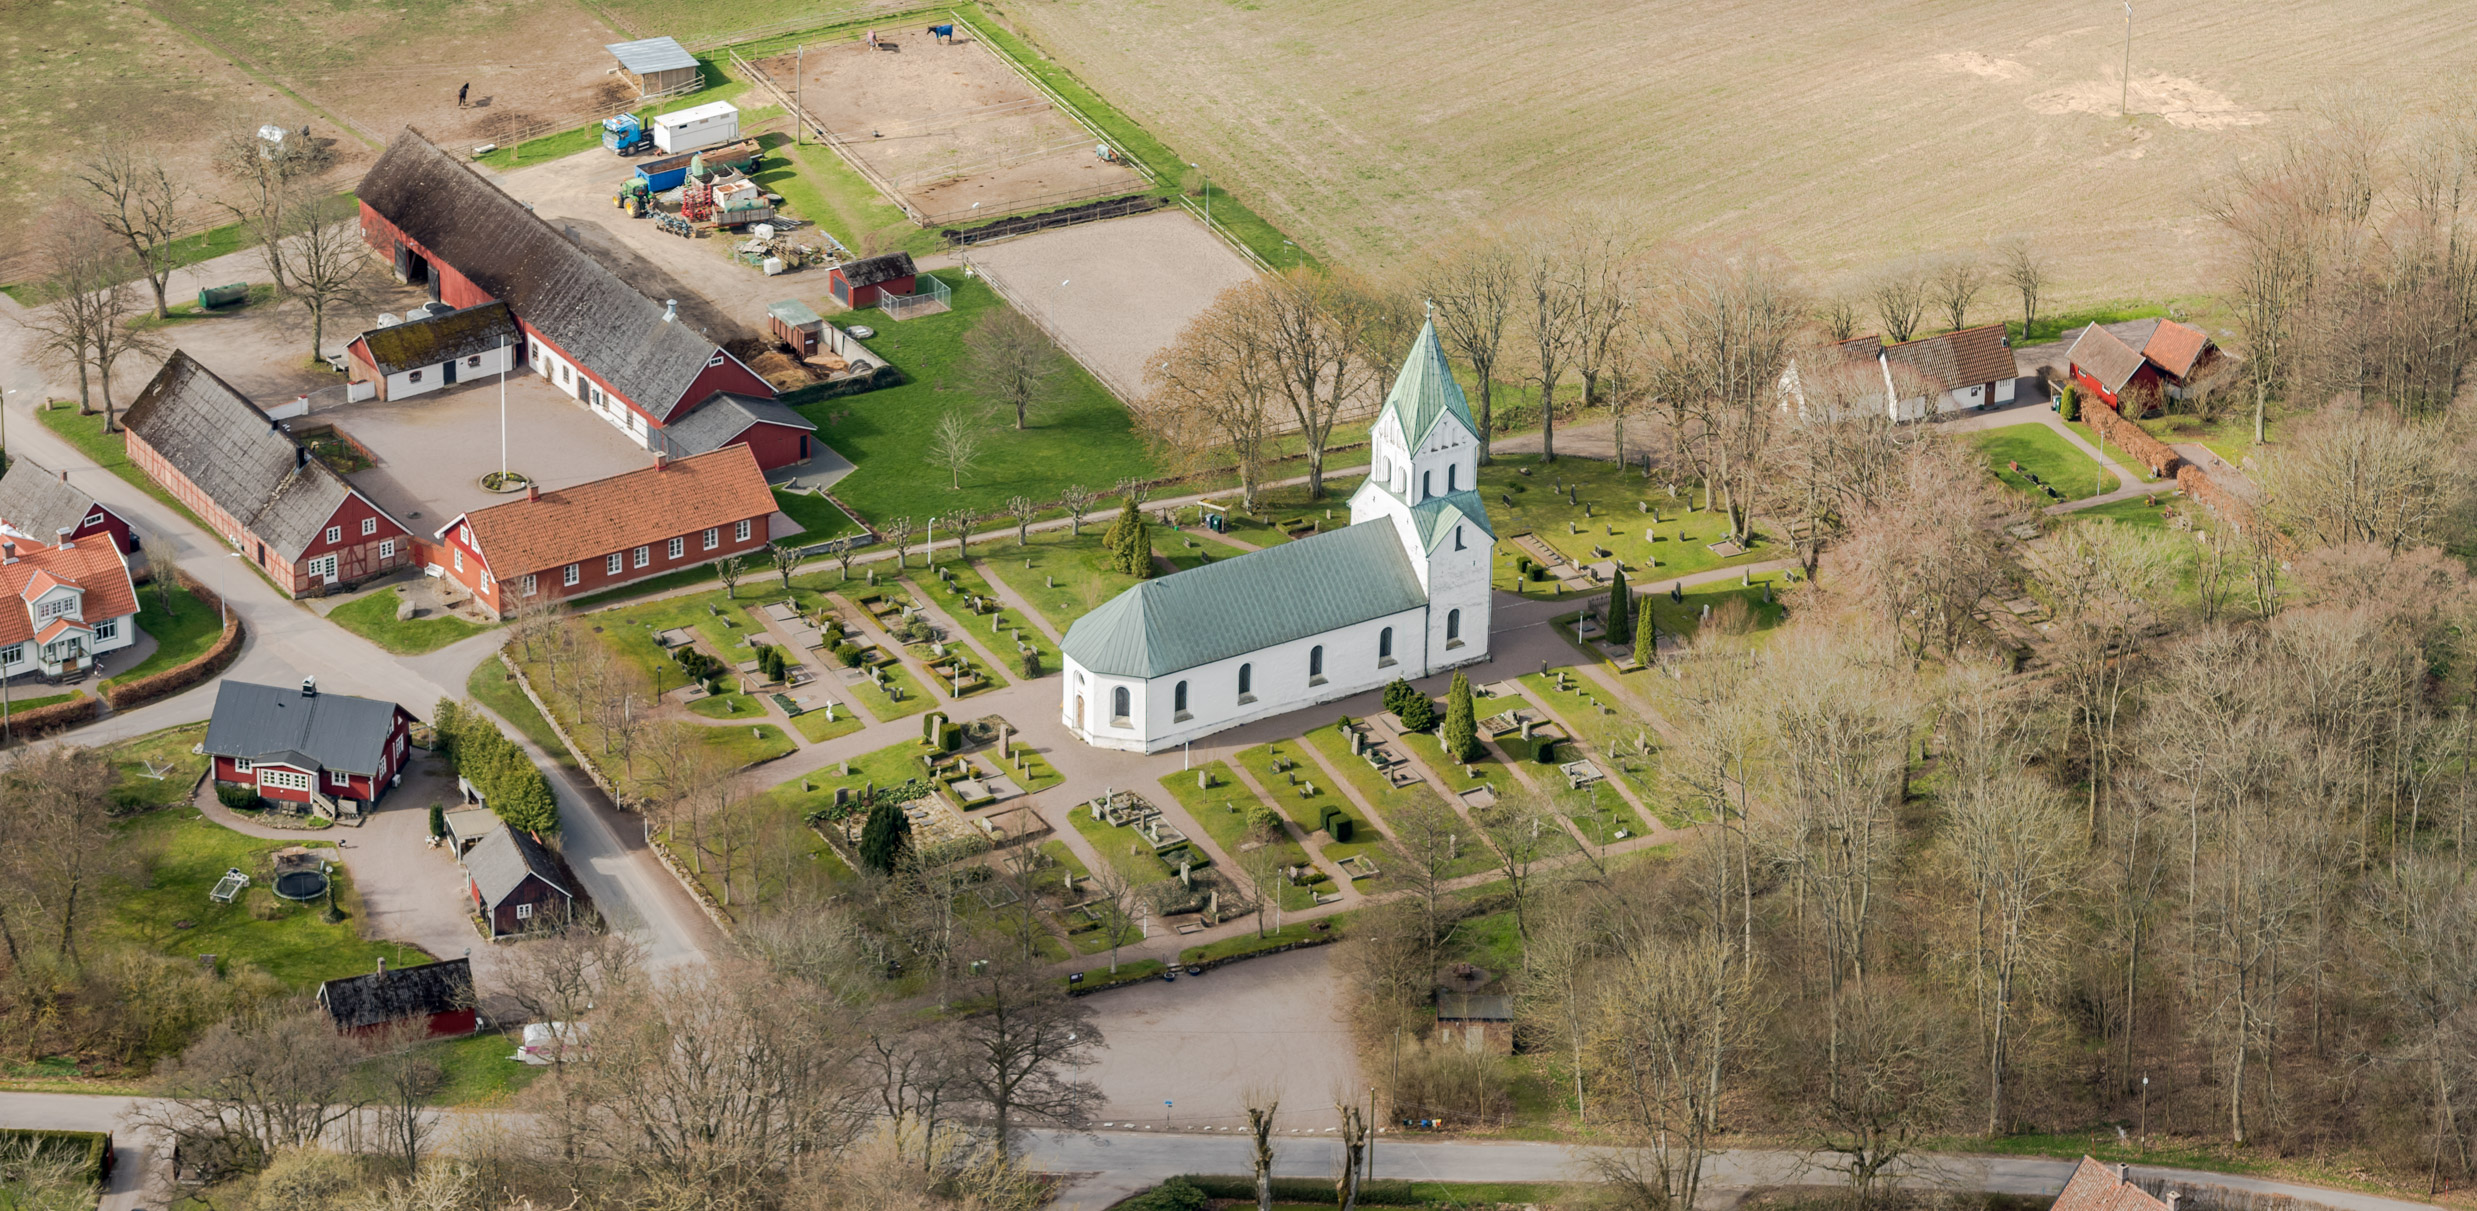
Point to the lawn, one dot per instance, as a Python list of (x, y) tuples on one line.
[(885, 706), (2043, 452), (1064, 577), (819, 519), (2230, 437), (2060, 325), (479, 1069), (815, 728), (795, 855), (1328, 740), (373, 617), (1484, 770), (1248, 943), (2149, 515), (1607, 729), (821, 187), (1602, 814), (1223, 812), (28, 704), (1008, 630), (728, 708), (491, 686), (167, 750), (1085, 437), (182, 633), (169, 911), (1605, 509), (1126, 851)]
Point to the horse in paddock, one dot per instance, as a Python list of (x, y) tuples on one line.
[(943, 33)]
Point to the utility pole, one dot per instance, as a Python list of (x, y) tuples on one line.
[(503, 359), (2124, 102), (799, 96)]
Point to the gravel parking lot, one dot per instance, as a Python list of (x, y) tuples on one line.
[(433, 450), (1202, 1042)]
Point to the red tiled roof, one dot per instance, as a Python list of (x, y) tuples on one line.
[(58, 625), (2100, 355), (1966, 357), (2097, 1187), (2175, 347), (592, 520), (95, 567)]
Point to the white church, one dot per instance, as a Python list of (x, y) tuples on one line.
[(1400, 592)]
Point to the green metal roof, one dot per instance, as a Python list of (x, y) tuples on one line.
[(1248, 602), (1426, 391), (1435, 517)]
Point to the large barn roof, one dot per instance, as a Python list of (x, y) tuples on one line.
[(236, 454), (634, 508), (358, 1002), (552, 284)]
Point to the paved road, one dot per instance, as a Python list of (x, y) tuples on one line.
[(1115, 1164)]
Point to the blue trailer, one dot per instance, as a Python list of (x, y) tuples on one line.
[(667, 173), (622, 133)]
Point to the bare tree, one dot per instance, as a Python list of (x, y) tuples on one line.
[(560, 976), (1113, 899), (899, 534), (329, 265), (1549, 309), (1958, 279), (786, 559), (1527, 836), (1212, 396), (2362, 474), (1313, 326), (1010, 364), (955, 444), (1262, 1106), (1899, 294), (266, 1081), (84, 304), (1667, 1043), (267, 179), (730, 570), (1838, 313), (1473, 291), (1021, 1048), (1923, 551), (1888, 1084), (1077, 500), (1423, 852), (1023, 509), (1722, 329), (1354, 1151), (135, 198), (2022, 269), (57, 831), (402, 1079)]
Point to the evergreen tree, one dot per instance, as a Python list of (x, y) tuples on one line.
[(1114, 540), (438, 820), (1646, 637), (1418, 713), (884, 838), (1461, 732), (1620, 606)]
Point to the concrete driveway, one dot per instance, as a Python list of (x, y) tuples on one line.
[(432, 450), (1202, 1041)]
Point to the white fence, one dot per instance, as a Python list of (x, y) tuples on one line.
[(928, 297)]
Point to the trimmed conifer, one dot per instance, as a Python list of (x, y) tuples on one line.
[(1461, 731)]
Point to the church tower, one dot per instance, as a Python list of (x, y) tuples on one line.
[(1423, 476)]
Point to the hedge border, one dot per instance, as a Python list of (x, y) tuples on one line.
[(60, 716), (133, 694), (97, 1145)]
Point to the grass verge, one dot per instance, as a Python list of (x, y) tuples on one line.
[(373, 617)]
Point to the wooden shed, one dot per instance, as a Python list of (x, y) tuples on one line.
[(796, 324), (856, 284), (657, 66)]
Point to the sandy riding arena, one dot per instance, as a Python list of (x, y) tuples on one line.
[(948, 124)]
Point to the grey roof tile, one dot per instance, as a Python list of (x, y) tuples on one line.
[(39, 504), (272, 724), (725, 416), (236, 454), (500, 862)]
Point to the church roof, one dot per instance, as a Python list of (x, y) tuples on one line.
[(1436, 516), (1426, 391), (1249, 602)]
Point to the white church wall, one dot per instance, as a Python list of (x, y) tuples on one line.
[(1278, 683)]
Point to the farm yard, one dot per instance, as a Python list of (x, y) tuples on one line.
[(1376, 130)]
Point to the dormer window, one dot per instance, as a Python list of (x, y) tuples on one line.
[(56, 608)]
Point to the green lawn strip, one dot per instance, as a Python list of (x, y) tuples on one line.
[(1130, 971), (2230, 437), (819, 519), (684, 578), (28, 704), (2043, 452), (491, 686), (1192, 548), (735, 708), (109, 451), (1592, 717), (879, 703), (1485, 769), (184, 313), (721, 621), (1364, 835), (2116, 454), (373, 617), (1064, 577), (1085, 436), (186, 854), (1223, 812), (1489, 939), (815, 728), (821, 187), (1123, 848), (182, 633), (748, 745), (2150, 515), (1017, 630), (479, 1068), (1250, 943), (1616, 523), (1374, 788), (1602, 813), (2063, 325), (138, 758), (1685, 618)]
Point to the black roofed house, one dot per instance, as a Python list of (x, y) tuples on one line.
[(42, 505), (438, 996), (769, 428), (222, 456), (629, 358), (422, 355), (1480, 1021), (517, 884), (856, 284), (334, 753)]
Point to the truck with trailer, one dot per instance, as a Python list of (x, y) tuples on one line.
[(697, 127), (622, 133)]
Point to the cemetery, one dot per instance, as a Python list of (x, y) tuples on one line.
[(1567, 527), (1241, 823), (1065, 576)]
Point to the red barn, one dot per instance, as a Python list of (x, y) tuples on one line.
[(628, 358), (301, 523), (335, 753), (42, 506), (437, 996), (778, 436), (517, 884), (856, 284), (571, 541), (2107, 368)]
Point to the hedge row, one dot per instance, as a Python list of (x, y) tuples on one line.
[(91, 1149), (59, 715), (509, 781), (130, 695), (1383, 1191)]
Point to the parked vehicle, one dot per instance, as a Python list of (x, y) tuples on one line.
[(622, 133)]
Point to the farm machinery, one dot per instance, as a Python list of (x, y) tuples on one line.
[(623, 134)]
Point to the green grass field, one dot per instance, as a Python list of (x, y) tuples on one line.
[(169, 751), (1000, 632), (1084, 438), (373, 617), (169, 911), (1123, 848), (1306, 812), (815, 728), (1064, 577), (2042, 451), (1603, 512), (2230, 437), (819, 186), (108, 450), (1223, 813), (491, 686), (819, 519), (182, 633), (2140, 513), (478, 1069)]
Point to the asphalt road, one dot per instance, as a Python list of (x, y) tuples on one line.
[(1113, 1165)]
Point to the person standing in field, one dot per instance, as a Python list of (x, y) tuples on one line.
[(461, 90)]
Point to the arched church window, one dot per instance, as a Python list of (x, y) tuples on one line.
[(1457, 538), (1384, 646), (1453, 627), (1452, 473), (1178, 701), (1316, 665), (1247, 681), (1427, 484), (1120, 702)]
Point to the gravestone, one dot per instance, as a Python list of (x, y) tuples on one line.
[(872, 576), (1184, 878), (847, 767), (1642, 506), (1052, 580), (829, 711), (1526, 729), (1204, 779), (842, 796), (1069, 877), (1707, 612)]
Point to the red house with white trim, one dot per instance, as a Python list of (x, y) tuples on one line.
[(567, 542), (334, 753), (857, 284), (2152, 359), (628, 358), (41, 505), (307, 528)]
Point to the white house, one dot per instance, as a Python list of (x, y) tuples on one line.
[(1400, 592), (1952, 372), (424, 355), (75, 602)]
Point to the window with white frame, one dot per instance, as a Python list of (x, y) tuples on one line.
[(284, 779), (335, 534), (241, 764), (369, 526), (713, 537), (644, 556), (474, 362), (55, 608), (386, 548), (414, 377), (524, 912), (679, 547), (610, 567), (107, 629), (458, 552), (529, 584), (323, 567), (570, 574), (740, 533), (337, 777)]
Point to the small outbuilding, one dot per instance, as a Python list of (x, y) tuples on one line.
[(41, 505), (857, 284), (2103, 365), (797, 325), (424, 355), (1479, 1021), (657, 66), (777, 435), (697, 127), (436, 996), (518, 885)]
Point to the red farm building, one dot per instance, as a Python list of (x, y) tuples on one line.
[(857, 284), (333, 753), (42, 506), (571, 541), (2145, 359), (628, 358), (517, 884), (308, 529), (438, 997)]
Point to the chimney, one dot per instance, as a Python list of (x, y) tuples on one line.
[(309, 687), (8, 552), (661, 460), (533, 491), (2121, 1171), (2174, 1197), (670, 310), (64, 477)]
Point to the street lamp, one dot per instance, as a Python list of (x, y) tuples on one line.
[(2145, 1124)]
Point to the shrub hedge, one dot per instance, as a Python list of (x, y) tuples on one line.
[(509, 781), (91, 1149), (1384, 1191), (53, 718), (132, 694)]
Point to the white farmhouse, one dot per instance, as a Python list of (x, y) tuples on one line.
[(1400, 592)]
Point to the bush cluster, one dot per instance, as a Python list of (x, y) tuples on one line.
[(509, 781), (1413, 708)]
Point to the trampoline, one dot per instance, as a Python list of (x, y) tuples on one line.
[(301, 884)]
